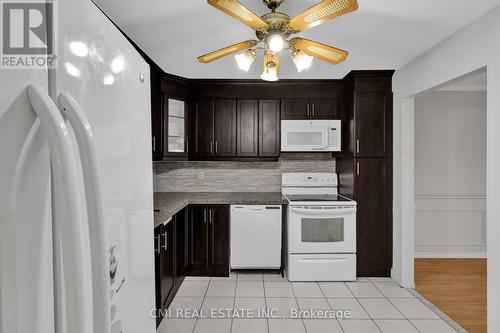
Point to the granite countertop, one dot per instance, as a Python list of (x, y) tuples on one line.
[(167, 204)]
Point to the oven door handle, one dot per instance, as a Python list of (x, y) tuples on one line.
[(323, 212)]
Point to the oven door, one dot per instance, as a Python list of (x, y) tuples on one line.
[(304, 137), (321, 229)]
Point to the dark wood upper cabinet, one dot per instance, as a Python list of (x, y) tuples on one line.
[(224, 128), (203, 128), (374, 229), (299, 109), (324, 109), (372, 122), (156, 114), (269, 128), (292, 109), (248, 128), (175, 131)]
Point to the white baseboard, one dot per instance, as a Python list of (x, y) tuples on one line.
[(451, 255)]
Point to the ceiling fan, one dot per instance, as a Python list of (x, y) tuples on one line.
[(273, 29)]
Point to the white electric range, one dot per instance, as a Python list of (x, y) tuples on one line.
[(321, 229)]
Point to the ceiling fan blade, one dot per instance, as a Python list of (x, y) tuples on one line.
[(238, 11), (324, 11), (324, 52), (209, 57)]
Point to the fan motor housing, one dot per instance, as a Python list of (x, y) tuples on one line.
[(273, 4), (275, 22)]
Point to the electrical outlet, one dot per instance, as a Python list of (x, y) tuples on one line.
[(200, 175)]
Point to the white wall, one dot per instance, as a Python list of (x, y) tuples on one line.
[(470, 49), (450, 174)]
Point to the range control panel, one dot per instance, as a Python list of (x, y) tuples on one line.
[(308, 179)]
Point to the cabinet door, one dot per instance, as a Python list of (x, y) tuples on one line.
[(158, 296), (324, 109), (156, 115), (198, 241), (175, 127), (219, 240), (295, 109), (225, 128), (180, 245), (248, 128), (269, 128), (374, 226), (372, 124), (203, 128), (167, 261)]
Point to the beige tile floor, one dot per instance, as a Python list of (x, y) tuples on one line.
[(235, 305)]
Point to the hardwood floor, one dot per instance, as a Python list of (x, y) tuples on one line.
[(457, 287)]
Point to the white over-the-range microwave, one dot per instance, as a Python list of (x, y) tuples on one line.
[(310, 135)]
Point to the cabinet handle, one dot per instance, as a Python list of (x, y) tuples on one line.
[(357, 168), (166, 241), (357, 146), (211, 147), (154, 143), (205, 216), (158, 242), (210, 216), (187, 146), (308, 112), (313, 110), (216, 149)]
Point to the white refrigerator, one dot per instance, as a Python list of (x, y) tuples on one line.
[(76, 188)]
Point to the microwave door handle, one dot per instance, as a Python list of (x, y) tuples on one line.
[(71, 110), (324, 212)]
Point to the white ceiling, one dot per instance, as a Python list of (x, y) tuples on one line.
[(382, 34)]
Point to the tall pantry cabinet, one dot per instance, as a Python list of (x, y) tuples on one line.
[(365, 167)]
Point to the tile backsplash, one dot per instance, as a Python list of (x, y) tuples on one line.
[(235, 176)]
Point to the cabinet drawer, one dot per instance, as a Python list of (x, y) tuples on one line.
[(322, 267)]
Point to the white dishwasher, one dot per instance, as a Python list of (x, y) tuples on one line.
[(256, 236)]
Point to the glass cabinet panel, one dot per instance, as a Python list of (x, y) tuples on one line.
[(176, 120)]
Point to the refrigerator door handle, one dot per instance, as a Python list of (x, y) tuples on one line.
[(78, 121), (68, 215)]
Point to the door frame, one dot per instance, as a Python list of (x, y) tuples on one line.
[(404, 241)]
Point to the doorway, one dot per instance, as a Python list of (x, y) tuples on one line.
[(450, 125)]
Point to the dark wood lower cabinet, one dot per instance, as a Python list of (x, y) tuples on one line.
[(170, 259), (208, 240), (167, 264), (218, 232), (198, 239), (195, 242)]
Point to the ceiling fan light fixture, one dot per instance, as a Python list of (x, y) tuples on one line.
[(245, 59), (276, 42), (302, 60), (270, 72)]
